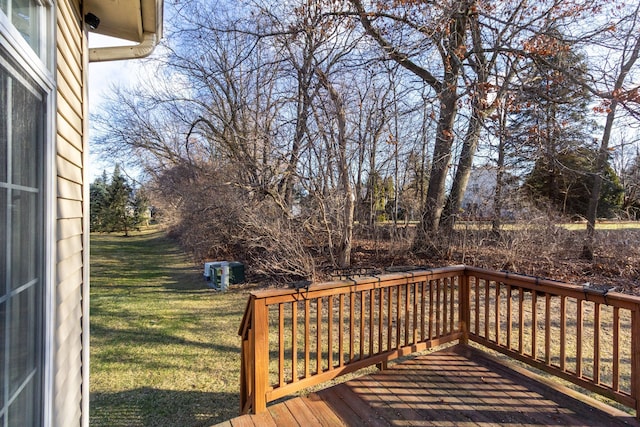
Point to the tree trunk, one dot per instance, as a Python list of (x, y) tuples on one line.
[(432, 210), (478, 114), (302, 116), (454, 39), (344, 254), (454, 201), (498, 201), (603, 154), (601, 164)]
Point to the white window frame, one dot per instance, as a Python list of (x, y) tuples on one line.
[(41, 68)]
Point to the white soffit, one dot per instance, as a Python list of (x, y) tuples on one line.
[(127, 19)]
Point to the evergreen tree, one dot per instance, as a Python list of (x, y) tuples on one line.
[(550, 122), (115, 205), (574, 182), (140, 205), (631, 185), (98, 203), (118, 196)]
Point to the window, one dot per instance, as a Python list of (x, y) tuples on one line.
[(21, 247), (25, 138), (25, 17)]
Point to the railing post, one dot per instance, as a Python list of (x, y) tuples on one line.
[(244, 390), (463, 306), (635, 358), (260, 353), (246, 375)]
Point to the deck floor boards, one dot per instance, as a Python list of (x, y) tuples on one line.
[(457, 386)]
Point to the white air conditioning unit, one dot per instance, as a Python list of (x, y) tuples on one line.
[(218, 283), (207, 269)]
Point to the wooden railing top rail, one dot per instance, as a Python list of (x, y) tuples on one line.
[(359, 283), (274, 296), (618, 299)]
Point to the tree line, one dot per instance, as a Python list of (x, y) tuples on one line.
[(272, 128), (115, 206)]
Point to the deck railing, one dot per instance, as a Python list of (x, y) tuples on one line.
[(296, 338)]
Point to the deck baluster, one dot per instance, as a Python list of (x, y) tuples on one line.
[(294, 341), (497, 313), (579, 324), (318, 335), (547, 329), (330, 333), (635, 358), (596, 343), (509, 317), (563, 333), (281, 378), (616, 349)]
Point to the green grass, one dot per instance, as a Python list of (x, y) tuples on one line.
[(164, 348)]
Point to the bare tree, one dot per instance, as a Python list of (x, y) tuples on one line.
[(493, 68), (435, 42), (618, 95), (444, 31), (371, 119), (344, 254)]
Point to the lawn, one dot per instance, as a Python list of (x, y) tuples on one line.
[(164, 348)]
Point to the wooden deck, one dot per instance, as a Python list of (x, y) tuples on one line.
[(457, 386)]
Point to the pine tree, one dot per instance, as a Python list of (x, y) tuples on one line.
[(550, 121), (118, 196), (140, 206), (631, 185), (574, 182), (116, 205), (98, 203)]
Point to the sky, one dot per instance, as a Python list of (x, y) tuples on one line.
[(103, 76)]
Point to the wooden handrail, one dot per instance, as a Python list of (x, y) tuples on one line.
[(296, 338), (585, 336)]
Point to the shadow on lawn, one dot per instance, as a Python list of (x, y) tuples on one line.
[(150, 338), (152, 407)]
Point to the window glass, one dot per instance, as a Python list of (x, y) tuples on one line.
[(25, 16), (4, 99), (2, 352), (21, 246), (26, 130), (3, 247), (22, 339), (24, 247), (20, 414)]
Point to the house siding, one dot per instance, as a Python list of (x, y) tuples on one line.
[(69, 384)]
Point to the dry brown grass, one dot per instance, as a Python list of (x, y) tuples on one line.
[(538, 248)]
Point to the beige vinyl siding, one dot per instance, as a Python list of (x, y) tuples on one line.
[(68, 227), (68, 170), (70, 153), (69, 190), (67, 112), (70, 271), (67, 132)]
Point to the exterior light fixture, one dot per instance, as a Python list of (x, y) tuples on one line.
[(92, 20)]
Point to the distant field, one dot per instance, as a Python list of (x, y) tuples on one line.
[(605, 225), (164, 348), (486, 225)]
